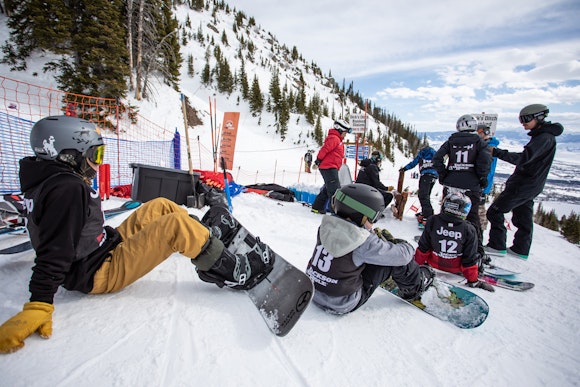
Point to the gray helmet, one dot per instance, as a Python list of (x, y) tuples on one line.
[(52, 135), (535, 111), (466, 123), (342, 126), (355, 201)]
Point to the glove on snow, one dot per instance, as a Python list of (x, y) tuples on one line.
[(481, 285), (35, 317)]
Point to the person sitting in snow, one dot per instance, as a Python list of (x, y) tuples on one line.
[(350, 261), (449, 242), (369, 174), (73, 247)]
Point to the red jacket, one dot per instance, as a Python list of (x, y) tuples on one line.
[(332, 151)]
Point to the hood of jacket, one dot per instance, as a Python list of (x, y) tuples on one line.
[(33, 171)]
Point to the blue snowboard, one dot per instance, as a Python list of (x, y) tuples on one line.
[(448, 302)]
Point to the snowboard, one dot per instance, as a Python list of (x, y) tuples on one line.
[(284, 294), (510, 263), (506, 283), (400, 198), (448, 302)]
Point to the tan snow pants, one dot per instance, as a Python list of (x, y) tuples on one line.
[(150, 234)]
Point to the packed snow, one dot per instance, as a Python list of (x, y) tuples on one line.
[(171, 329)]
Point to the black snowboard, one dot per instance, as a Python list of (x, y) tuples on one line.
[(284, 294)]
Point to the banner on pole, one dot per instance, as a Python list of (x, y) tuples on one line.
[(228, 138)]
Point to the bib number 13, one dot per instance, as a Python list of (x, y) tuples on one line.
[(322, 259)]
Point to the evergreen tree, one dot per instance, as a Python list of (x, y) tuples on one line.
[(256, 98), (98, 65), (206, 75), (318, 134), (571, 228), (37, 24)]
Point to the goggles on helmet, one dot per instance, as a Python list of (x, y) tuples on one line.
[(371, 214), (529, 117), (96, 154)]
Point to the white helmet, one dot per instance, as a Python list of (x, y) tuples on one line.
[(466, 123)]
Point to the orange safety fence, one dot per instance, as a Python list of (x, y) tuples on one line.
[(129, 137)]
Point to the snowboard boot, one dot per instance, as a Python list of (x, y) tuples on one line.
[(236, 271), (221, 223), (427, 276)]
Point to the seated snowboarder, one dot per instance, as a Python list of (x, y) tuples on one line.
[(350, 261), (369, 174), (449, 242), (73, 247)]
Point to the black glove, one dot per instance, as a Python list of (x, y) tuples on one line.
[(483, 182), (481, 285), (402, 169)]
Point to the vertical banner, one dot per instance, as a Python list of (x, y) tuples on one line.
[(228, 139)]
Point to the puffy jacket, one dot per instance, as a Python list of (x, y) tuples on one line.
[(533, 164), (332, 152), (425, 160)]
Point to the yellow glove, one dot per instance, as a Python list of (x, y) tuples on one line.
[(35, 317)]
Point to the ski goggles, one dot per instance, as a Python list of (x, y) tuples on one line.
[(485, 131), (529, 117), (371, 214), (96, 154)]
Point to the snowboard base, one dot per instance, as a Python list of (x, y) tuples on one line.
[(283, 296), (447, 302)]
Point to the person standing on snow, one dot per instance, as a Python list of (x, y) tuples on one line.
[(467, 167), (307, 161), (369, 175), (350, 261), (449, 243), (426, 182), (73, 247), (525, 183), (329, 161)]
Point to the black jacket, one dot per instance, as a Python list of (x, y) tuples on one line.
[(65, 224), (468, 163), (369, 175), (533, 164)]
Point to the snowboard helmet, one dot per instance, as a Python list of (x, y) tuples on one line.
[(456, 204), (536, 111), (54, 136), (466, 123), (376, 157), (69, 140), (358, 202), (342, 126)]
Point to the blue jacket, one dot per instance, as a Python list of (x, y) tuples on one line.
[(494, 142), (425, 160)]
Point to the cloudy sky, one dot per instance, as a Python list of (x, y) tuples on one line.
[(429, 62)]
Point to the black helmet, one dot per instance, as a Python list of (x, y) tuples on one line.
[(536, 111), (376, 157), (342, 126), (358, 201), (51, 136), (456, 204)]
